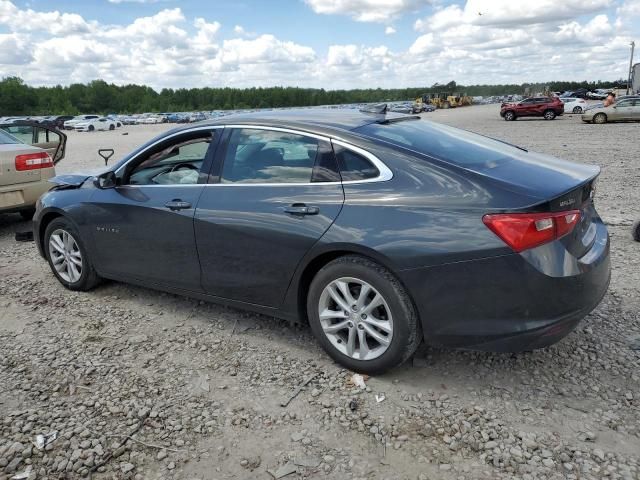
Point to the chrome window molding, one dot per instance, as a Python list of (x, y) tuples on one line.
[(385, 174), (181, 132)]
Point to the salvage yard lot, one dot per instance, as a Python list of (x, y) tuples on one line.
[(141, 384)]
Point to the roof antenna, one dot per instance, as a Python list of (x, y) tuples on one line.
[(378, 108)]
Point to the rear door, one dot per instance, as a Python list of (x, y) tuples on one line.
[(275, 193), (635, 110), (623, 110)]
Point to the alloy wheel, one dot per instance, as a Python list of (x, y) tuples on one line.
[(356, 318), (549, 115), (65, 255), (600, 118), (577, 110)]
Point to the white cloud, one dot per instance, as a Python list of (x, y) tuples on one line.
[(510, 12), (14, 50), (629, 8), (28, 20), (168, 48), (367, 10), (389, 30)]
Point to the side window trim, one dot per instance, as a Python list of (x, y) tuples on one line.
[(385, 174), (218, 151), (120, 170)]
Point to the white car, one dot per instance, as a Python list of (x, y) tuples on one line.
[(151, 119), (94, 124), (574, 105), (71, 124)]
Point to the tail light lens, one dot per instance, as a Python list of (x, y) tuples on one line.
[(33, 161), (522, 231)]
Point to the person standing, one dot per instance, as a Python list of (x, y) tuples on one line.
[(610, 100)]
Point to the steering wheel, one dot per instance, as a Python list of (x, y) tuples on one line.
[(183, 165)]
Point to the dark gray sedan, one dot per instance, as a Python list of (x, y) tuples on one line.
[(379, 230)]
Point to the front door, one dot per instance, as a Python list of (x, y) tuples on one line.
[(278, 192), (143, 228)]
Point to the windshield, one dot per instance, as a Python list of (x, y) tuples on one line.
[(6, 138), (449, 144)]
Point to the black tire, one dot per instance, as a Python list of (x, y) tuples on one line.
[(88, 277), (636, 231), (600, 118), (112, 127), (91, 128), (407, 331), (510, 116), (577, 110), (28, 214), (549, 115)]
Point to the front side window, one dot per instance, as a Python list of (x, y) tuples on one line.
[(178, 163), (269, 156)]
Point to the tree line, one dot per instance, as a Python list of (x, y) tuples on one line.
[(98, 96)]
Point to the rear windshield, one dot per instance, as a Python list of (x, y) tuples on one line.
[(7, 138), (449, 144)]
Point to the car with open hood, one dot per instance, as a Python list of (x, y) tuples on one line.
[(379, 230)]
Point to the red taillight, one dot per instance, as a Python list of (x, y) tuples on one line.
[(522, 231), (33, 161)]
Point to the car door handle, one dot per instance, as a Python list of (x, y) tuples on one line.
[(177, 204), (301, 209)]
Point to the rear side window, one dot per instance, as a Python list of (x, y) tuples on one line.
[(354, 166), (449, 144)]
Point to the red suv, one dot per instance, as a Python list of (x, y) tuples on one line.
[(547, 107)]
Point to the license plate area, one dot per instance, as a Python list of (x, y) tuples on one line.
[(11, 199)]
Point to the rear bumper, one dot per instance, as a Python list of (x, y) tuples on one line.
[(22, 196), (508, 303)]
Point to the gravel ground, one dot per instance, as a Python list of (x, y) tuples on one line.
[(141, 384)]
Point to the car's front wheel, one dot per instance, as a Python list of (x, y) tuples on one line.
[(509, 116), (577, 109), (68, 257), (362, 316), (549, 115), (600, 118)]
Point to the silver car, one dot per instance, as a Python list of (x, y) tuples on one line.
[(624, 110)]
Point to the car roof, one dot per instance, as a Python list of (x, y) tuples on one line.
[(319, 120)]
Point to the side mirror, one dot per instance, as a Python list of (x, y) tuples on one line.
[(106, 180)]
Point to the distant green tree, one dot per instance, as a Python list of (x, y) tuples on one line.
[(98, 96)]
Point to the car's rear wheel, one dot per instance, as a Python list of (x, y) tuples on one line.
[(68, 256), (91, 128), (362, 316), (112, 127), (549, 115), (509, 116), (577, 110), (600, 118)]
